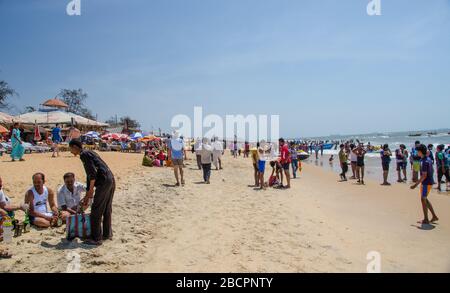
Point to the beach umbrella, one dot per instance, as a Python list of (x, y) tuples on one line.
[(93, 134), (3, 130), (137, 135), (37, 133)]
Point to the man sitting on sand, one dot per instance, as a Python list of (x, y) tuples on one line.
[(37, 198), (6, 207), (426, 180), (70, 195)]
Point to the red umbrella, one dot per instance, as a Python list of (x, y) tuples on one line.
[(3, 130)]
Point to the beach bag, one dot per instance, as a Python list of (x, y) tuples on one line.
[(78, 225)]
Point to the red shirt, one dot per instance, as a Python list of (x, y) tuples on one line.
[(285, 155)]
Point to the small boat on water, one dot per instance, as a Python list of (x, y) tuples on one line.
[(328, 146), (302, 155), (415, 134)]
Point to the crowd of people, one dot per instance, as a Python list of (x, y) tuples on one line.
[(44, 208)]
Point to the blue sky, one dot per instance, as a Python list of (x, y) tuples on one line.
[(325, 67)]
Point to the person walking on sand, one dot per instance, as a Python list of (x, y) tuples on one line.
[(205, 156), (198, 147), (100, 187), (17, 149), (217, 149), (343, 158), (56, 139), (262, 158), (176, 153), (385, 162), (426, 181)]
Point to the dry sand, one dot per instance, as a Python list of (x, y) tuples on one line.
[(319, 225)]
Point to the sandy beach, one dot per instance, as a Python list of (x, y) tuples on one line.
[(319, 225)]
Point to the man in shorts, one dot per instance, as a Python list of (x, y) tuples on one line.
[(176, 147), (426, 181), (415, 162), (401, 155), (285, 161)]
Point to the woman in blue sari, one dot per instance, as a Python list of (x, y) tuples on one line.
[(16, 143)]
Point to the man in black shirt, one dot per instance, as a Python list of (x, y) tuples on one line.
[(99, 176)]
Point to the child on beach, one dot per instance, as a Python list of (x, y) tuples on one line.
[(262, 157), (161, 158), (426, 180)]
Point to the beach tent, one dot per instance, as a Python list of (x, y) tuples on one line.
[(137, 135), (56, 117), (3, 130), (55, 103), (93, 134), (6, 118)]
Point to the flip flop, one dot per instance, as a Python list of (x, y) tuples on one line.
[(5, 254)]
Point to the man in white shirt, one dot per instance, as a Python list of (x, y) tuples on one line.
[(197, 148), (6, 208), (70, 195), (217, 147), (205, 157)]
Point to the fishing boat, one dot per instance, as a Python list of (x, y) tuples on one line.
[(302, 155), (414, 134), (328, 146)]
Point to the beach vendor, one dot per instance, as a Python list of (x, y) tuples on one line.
[(69, 195), (17, 149), (56, 139), (176, 149), (41, 214), (426, 181), (100, 188)]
